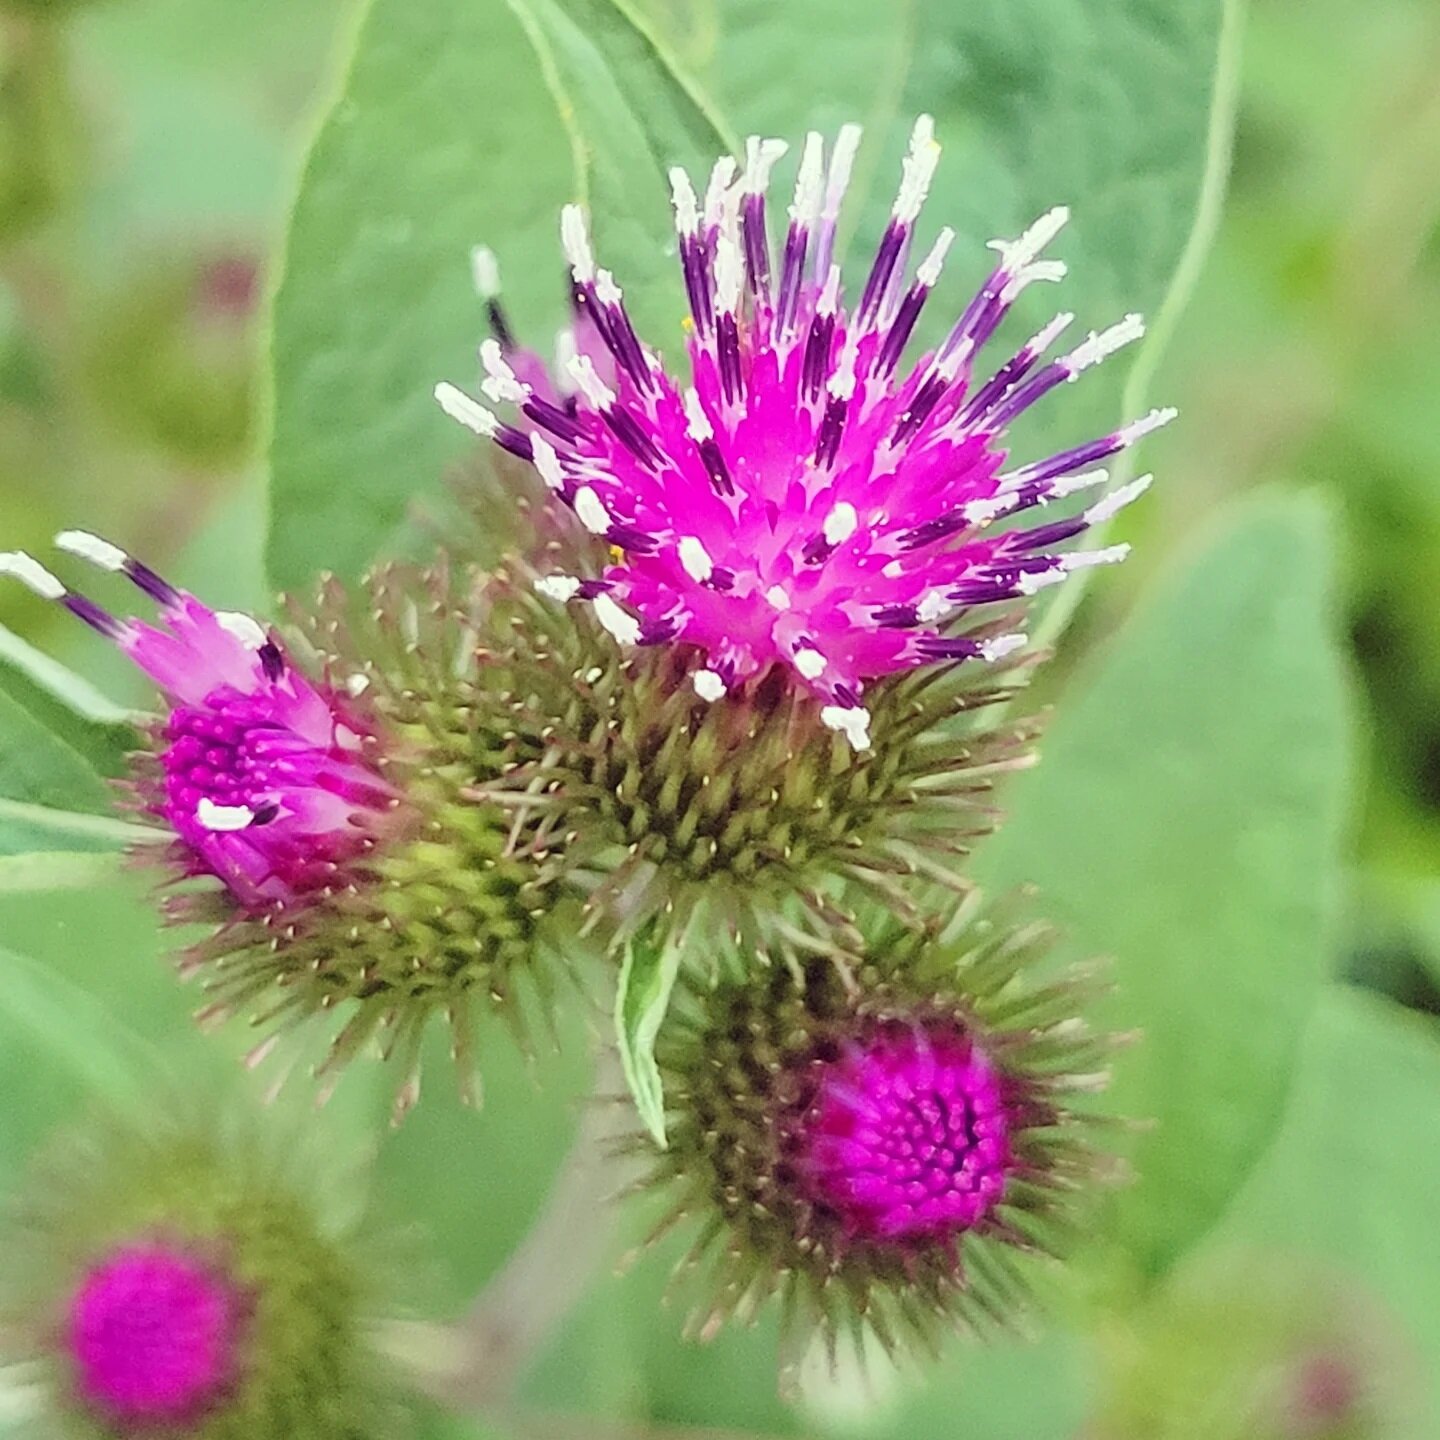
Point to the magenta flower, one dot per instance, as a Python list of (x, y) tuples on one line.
[(807, 501), (908, 1135), (153, 1336), (263, 776)]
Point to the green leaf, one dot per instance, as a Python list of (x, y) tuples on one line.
[(25, 827), (1186, 819), (523, 107), (648, 971), (1352, 1178), (55, 870), (37, 767)]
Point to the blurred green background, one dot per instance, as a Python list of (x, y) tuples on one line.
[(149, 150)]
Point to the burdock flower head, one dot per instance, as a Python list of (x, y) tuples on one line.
[(184, 1282), (881, 1147), (807, 501), (808, 533), (327, 795)]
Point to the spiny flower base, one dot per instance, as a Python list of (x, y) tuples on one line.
[(880, 1148), (184, 1281), (454, 916), (749, 805)]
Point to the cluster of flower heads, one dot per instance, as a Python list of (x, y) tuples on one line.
[(778, 711)]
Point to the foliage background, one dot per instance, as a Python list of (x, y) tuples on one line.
[(1271, 888)]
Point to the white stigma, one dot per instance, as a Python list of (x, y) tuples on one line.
[(1001, 646), (92, 548), (840, 524), (709, 685), (810, 181), (697, 422), (1027, 275), (581, 370), (223, 818), (991, 507), (760, 158), (485, 272), (777, 598), (935, 606), (829, 300), (1040, 342), (245, 628), (1031, 582), (622, 625), (1103, 343), (1139, 429), (470, 413), (547, 462), (928, 271), (721, 174), (1086, 559), (575, 240), (500, 384), (851, 721), (842, 162), (357, 684), (696, 559), (1110, 505), (591, 510), (607, 292), (1015, 255), (31, 573), (810, 663), (917, 171), (560, 588), (729, 273), (1069, 484), (682, 197)]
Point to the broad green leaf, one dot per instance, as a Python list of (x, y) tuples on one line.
[(522, 108), (1351, 1180), (648, 971), (1186, 819), (55, 870), (37, 767), (25, 828)]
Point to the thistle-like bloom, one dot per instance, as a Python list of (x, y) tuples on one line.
[(881, 1147), (807, 501), (263, 777), (332, 789), (190, 1281), (154, 1336)]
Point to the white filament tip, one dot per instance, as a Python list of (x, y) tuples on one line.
[(1110, 505), (223, 818), (760, 158), (558, 587), (31, 573), (851, 721), (1001, 646), (709, 685), (1015, 255), (606, 290), (1139, 429), (621, 625), (682, 197), (697, 422), (1103, 343), (729, 274), (1069, 484), (547, 462), (485, 272), (810, 663), (721, 174), (575, 239), (829, 300), (1039, 343), (840, 524), (500, 384), (810, 182), (917, 170), (842, 162), (470, 413), (935, 606), (928, 271), (777, 598), (695, 559), (245, 628), (591, 510), (582, 371), (92, 548)]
